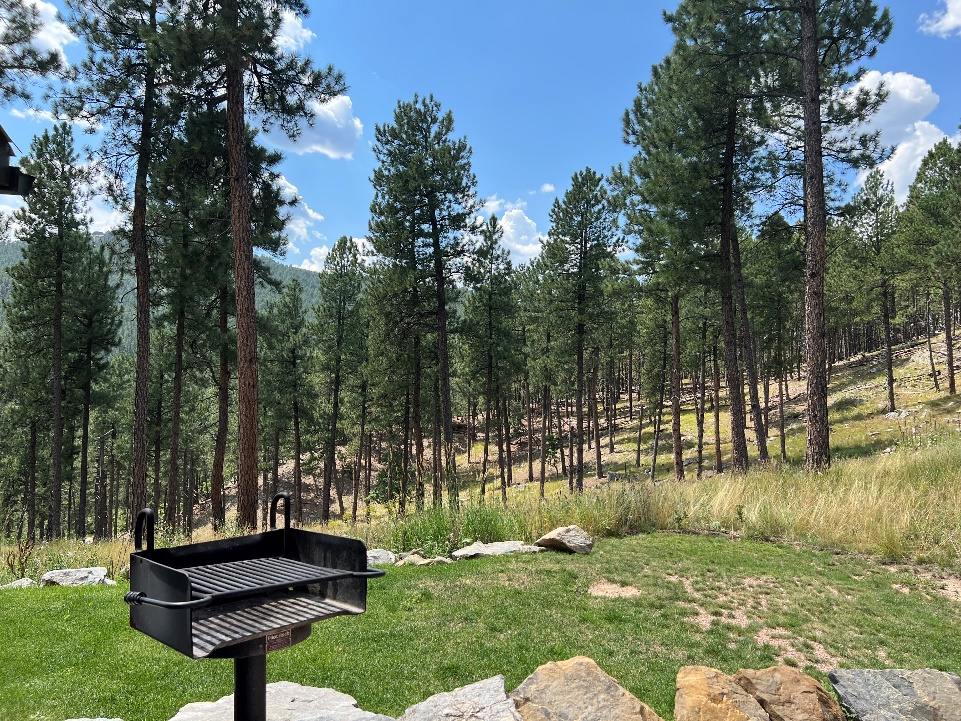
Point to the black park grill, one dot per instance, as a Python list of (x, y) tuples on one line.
[(245, 597)]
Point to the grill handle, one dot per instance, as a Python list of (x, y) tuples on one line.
[(137, 598), (273, 509), (144, 519), (369, 573)]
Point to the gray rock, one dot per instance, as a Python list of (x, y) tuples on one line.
[(572, 539), (497, 548), (286, 701), (21, 583), (95, 576), (482, 701), (899, 695), (380, 557)]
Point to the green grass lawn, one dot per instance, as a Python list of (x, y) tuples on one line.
[(703, 600)]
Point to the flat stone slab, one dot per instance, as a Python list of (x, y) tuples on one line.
[(286, 701), (21, 583), (899, 695), (497, 548), (380, 557), (95, 576), (482, 701)]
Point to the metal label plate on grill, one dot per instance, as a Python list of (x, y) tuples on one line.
[(278, 641)]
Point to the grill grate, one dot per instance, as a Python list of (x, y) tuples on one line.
[(237, 622), (235, 578)]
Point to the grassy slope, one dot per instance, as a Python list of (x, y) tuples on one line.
[(431, 629)]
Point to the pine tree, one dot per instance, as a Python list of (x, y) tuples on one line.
[(53, 226), (21, 63), (241, 55), (581, 243), (424, 203)]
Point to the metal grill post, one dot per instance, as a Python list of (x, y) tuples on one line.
[(250, 688)]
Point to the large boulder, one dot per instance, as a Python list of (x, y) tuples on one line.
[(706, 694), (577, 690), (787, 694), (96, 576), (899, 695), (286, 701), (572, 539), (497, 548), (482, 701)]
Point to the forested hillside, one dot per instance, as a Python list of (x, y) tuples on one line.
[(679, 303)]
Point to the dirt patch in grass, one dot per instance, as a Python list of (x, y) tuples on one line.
[(790, 648), (606, 589)]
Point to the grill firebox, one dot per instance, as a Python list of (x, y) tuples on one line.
[(244, 597)]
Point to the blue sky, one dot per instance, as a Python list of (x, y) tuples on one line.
[(538, 87)]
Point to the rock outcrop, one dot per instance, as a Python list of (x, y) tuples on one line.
[(482, 701), (572, 539), (380, 557), (899, 695), (95, 576), (787, 694), (577, 690), (706, 694), (21, 583), (286, 702)]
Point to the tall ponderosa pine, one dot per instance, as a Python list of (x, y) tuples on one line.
[(117, 91), (53, 227), (424, 202), (338, 330), (581, 242), (233, 45)]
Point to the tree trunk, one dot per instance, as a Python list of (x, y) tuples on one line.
[(173, 485), (545, 429), (934, 370), (443, 365), (141, 260), (889, 356), (701, 390), (54, 524), (732, 368), (508, 450), (330, 468), (579, 410), (948, 336), (660, 407), (677, 443), (223, 418), (595, 363), (32, 483), (298, 475), (417, 424), (500, 450), (530, 427), (85, 443), (747, 345), (360, 450), (815, 233), (158, 497), (240, 204), (718, 458)]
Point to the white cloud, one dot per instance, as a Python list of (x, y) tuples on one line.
[(53, 33), (521, 236), (104, 217), (547, 188), (335, 131), (303, 218), (910, 99), (292, 35), (943, 22), (902, 166), (45, 116), (316, 260), (494, 205)]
